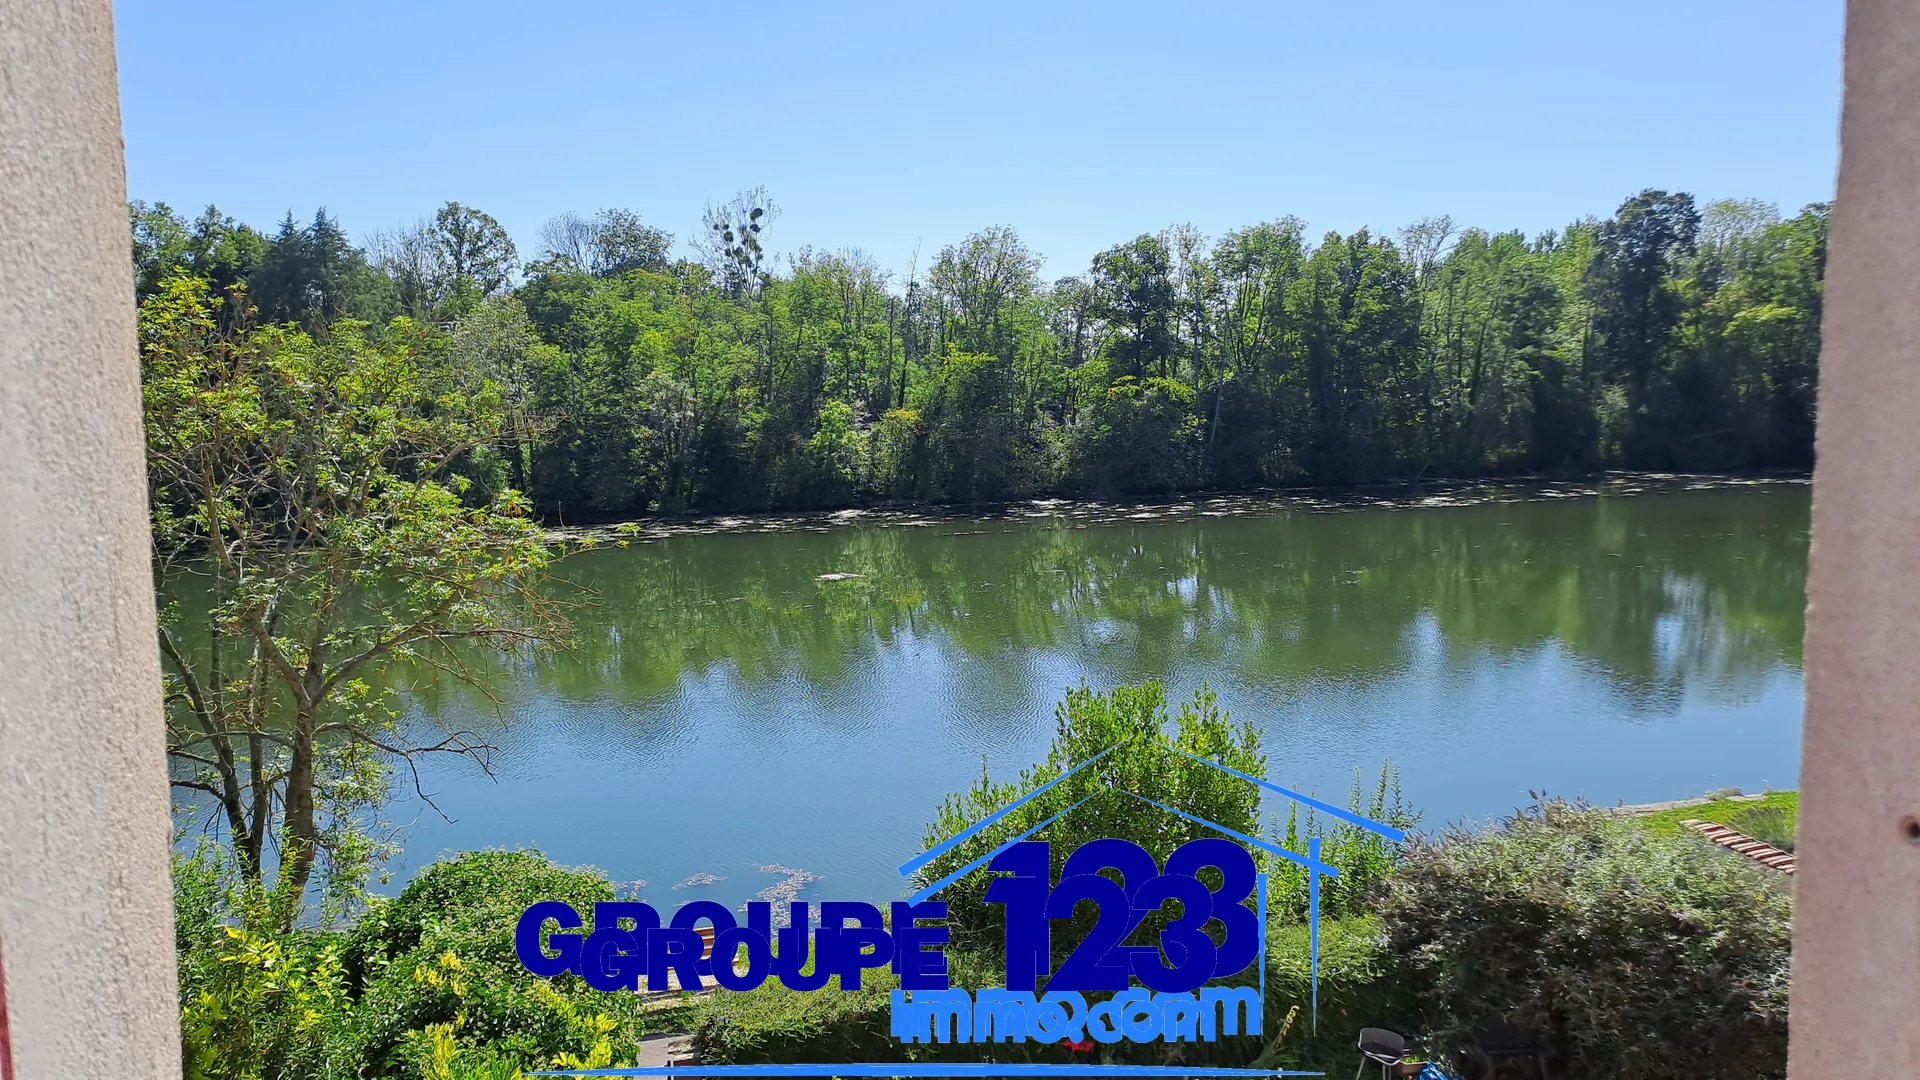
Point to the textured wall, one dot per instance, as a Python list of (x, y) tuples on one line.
[(1856, 974), (85, 907)]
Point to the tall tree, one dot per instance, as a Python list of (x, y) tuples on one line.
[(1637, 304), (622, 242), (731, 244), (304, 484), (980, 280), (411, 257), (213, 246), (1135, 286), (610, 242), (313, 275), (477, 253)]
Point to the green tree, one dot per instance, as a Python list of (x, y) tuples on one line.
[(495, 344), (1638, 304), (304, 484), (478, 256), (213, 246), (1663, 336), (611, 242), (621, 242), (1144, 746), (1135, 286), (314, 277), (1138, 436)]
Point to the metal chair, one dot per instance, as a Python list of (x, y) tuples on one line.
[(1384, 1048)]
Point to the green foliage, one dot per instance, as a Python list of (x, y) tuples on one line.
[(1144, 754), (213, 247), (313, 276), (1772, 819), (441, 953), (772, 1024), (477, 256), (973, 443), (1360, 986), (426, 984), (1138, 436), (1666, 336), (312, 484), (1366, 860), (257, 1000), (1638, 955)]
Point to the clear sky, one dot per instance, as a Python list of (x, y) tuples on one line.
[(891, 126)]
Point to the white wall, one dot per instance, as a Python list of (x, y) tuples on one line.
[(86, 911)]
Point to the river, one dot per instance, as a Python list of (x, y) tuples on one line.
[(726, 709)]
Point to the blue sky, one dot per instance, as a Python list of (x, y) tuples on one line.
[(887, 127)]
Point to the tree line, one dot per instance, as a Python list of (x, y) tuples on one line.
[(632, 381)]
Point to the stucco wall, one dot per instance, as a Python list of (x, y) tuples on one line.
[(1856, 978), (85, 907)]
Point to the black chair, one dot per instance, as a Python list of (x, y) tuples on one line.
[(1383, 1047), (1504, 1041)]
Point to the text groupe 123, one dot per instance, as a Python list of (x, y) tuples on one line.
[(628, 943)]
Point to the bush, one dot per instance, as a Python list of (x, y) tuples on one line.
[(425, 985), (441, 956), (256, 999), (1132, 722), (772, 1024), (1365, 859), (1637, 955)]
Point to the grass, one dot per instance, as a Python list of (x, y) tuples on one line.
[(1770, 819)]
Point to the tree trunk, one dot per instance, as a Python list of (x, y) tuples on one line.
[(515, 440), (303, 833)]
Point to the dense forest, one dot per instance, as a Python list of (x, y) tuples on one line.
[(628, 380)]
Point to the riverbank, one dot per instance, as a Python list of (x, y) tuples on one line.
[(1087, 513), (1770, 817)]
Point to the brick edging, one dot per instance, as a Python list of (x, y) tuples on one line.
[(1764, 854)]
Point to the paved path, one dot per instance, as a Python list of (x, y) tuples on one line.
[(668, 1048)]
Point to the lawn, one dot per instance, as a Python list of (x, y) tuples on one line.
[(1770, 819)]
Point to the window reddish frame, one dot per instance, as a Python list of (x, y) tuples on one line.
[(6, 1047)]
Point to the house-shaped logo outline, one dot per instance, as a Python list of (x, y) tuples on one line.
[(1310, 861)]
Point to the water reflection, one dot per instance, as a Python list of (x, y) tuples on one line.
[(726, 707)]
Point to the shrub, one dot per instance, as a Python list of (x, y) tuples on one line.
[(1637, 955), (1133, 723), (441, 955), (1148, 748), (426, 984), (256, 999), (771, 1023), (1364, 858)]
